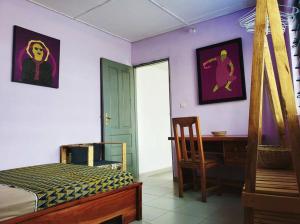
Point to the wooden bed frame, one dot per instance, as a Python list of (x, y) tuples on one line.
[(272, 195), (125, 202)]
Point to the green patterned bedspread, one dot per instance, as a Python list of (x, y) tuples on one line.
[(57, 183)]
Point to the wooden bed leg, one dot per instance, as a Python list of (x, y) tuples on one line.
[(139, 203)]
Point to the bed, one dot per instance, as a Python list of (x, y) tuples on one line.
[(67, 193)]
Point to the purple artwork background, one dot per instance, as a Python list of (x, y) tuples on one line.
[(208, 76), (21, 38)]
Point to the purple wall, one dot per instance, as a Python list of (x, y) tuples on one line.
[(180, 46), (34, 120)]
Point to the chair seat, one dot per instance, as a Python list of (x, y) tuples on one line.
[(197, 163)]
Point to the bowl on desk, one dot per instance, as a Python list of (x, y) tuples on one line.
[(219, 133)]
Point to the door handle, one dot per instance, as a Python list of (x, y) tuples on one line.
[(107, 116), (107, 119)]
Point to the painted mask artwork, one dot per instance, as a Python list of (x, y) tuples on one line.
[(221, 72), (224, 78), (35, 58)]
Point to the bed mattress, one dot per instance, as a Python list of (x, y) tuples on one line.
[(15, 202), (54, 184)]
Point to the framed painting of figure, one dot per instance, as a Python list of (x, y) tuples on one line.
[(221, 72), (35, 58)]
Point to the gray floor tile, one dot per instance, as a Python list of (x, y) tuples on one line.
[(166, 203), (192, 195), (150, 213), (197, 209), (159, 183), (141, 222), (156, 190), (175, 218), (161, 205), (149, 197), (222, 220)]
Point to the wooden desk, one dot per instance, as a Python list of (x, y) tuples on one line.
[(232, 150), (225, 138), (231, 147)]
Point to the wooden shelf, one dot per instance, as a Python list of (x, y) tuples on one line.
[(276, 197), (276, 182), (274, 218)]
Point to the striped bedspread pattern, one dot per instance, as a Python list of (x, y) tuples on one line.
[(57, 183)]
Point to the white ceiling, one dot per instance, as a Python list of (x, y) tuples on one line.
[(135, 20)]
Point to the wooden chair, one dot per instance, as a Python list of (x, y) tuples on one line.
[(191, 157)]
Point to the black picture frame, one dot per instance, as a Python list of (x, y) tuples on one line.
[(35, 58), (213, 80)]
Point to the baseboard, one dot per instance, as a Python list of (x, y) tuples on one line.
[(151, 173)]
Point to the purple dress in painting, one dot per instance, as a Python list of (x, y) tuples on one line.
[(223, 71)]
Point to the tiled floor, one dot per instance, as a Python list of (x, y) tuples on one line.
[(162, 206)]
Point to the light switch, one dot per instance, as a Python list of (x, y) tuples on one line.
[(182, 105)]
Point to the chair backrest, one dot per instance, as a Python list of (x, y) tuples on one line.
[(186, 133)]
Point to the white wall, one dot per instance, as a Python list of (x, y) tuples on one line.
[(153, 112), (34, 120)]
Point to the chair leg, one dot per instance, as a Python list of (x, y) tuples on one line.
[(180, 182), (203, 184), (219, 182), (194, 179)]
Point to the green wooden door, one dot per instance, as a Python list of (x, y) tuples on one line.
[(119, 112)]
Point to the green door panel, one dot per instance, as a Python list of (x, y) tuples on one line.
[(118, 105)]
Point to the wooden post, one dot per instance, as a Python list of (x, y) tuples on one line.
[(273, 94), (90, 155), (63, 154), (286, 85), (254, 129), (259, 130), (256, 95)]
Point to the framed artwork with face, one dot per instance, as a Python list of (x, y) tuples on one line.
[(35, 58), (221, 72)]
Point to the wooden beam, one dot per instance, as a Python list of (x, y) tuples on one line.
[(256, 95), (271, 202), (259, 131), (273, 94), (255, 103), (286, 85)]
